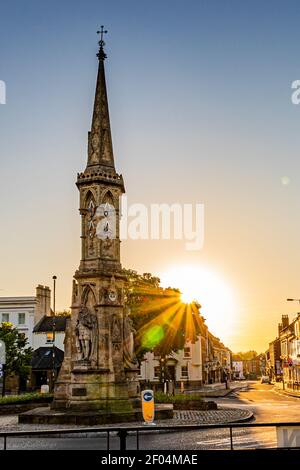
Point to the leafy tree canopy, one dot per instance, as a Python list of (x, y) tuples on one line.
[(64, 313), (163, 323), (244, 356), (18, 353)]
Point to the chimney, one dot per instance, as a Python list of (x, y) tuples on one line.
[(285, 321), (47, 292), (42, 308)]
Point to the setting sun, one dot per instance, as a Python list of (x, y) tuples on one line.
[(187, 297), (209, 289)]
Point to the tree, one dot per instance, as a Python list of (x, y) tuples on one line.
[(18, 353), (64, 313), (244, 356), (163, 323)]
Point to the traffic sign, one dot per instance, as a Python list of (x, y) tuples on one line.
[(148, 406)]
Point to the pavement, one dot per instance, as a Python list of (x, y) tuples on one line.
[(222, 415), (219, 389), (278, 386)]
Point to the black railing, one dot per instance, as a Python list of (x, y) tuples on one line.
[(123, 432)]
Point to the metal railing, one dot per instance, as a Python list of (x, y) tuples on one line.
[(123, 432)]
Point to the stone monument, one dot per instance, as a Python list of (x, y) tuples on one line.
[(97, 382), (100, 369)]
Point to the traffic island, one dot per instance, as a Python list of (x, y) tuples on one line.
[(89, 418)]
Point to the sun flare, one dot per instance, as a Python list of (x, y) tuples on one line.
[(206, 286), (187, 297)]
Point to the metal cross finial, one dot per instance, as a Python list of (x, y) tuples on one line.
[(101, 32)]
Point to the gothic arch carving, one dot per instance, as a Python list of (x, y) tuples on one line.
[(107, 197), (88, 198), (88, 297)]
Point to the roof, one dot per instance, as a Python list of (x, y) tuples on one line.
[(42, 358), (45, 325), (17, 302)]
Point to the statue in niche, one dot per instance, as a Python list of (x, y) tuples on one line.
[(86, 334), (130, 359)]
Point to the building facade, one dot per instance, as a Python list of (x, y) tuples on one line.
[(32, 316), (205, 362), (25, 312), (283, 355), (238, 370)]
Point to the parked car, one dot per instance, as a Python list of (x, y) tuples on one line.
[(265, 379)]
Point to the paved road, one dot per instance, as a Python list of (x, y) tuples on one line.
[(267, 404)]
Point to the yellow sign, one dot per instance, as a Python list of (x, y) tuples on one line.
[(148, 406)]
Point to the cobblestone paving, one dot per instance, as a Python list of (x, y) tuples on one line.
[(10, 423), (210, 416)]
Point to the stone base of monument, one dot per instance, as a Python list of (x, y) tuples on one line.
[(52, 416)]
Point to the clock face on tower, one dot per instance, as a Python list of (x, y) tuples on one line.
[(112, 295)]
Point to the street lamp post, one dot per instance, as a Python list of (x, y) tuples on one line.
[(53, 333), (163, 372)]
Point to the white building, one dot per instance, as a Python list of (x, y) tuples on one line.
[(47, 330), (238, 370), (33, 317), (184, 367), (25, 312), (20, 312)]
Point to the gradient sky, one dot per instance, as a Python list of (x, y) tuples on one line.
[(201, 111)]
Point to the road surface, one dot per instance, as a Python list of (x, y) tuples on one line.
[(267, 404)]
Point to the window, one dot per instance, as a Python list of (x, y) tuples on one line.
[(49, 338), (21, 319), (184, 371), (187, 352), (156, 372), (5, 317)]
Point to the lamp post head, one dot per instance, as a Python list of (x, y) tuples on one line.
[(293, 300)]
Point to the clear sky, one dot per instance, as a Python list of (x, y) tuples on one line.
[(201, 111)]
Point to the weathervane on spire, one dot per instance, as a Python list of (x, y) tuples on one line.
[(101, 54)]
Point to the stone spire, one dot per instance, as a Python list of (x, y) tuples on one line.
[(100, 150)]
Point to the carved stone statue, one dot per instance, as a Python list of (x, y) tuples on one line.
[(86, 334), (130, 360)]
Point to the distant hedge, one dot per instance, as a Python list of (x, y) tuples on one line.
[(26, 398), (160, 397), (186, 401)]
